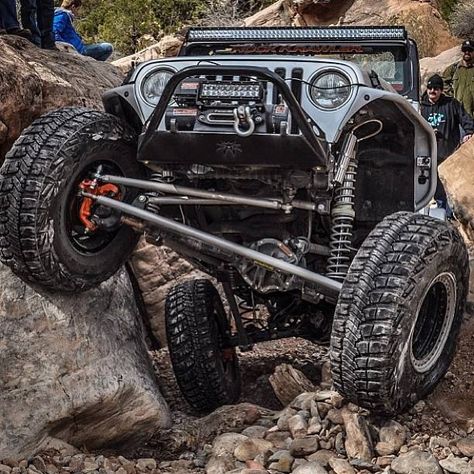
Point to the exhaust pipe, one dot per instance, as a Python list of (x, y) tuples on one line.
[(322, 284)]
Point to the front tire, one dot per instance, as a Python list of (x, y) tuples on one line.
[(205, 366), (399, 313), (41, 236)]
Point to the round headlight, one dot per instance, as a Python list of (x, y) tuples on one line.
[(154, 84), (330, 90)]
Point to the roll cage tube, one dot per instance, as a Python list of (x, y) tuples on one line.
[(297, 113)]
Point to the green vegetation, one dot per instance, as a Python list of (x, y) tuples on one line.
[(124, 22), (447, 7)]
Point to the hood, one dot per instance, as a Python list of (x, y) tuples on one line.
[(60, 10), (444, 99)]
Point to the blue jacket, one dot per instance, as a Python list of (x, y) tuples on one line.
[(64, 29)]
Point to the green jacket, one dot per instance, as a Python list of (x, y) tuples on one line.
[(459, 83)]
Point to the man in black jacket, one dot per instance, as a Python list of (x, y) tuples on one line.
[(447, 116)]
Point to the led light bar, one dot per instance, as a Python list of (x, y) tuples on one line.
[(230, 90), (296, 34)]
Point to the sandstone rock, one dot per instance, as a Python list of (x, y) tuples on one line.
[(285, 415), (456, 465), (392, 437), (298, 426), (288, 382), (168, 46), (280, 439), (157, 270), (335, 416), (281, 461), (220, 464), (310, 468), (226, 443), (303, 447), (422, 20), (358, 440), (341, 466), (466, 446), (255, 431), (437, 64), (74, 367), (457, 174), (250, 448), (34, 81), (416, 462), (322, 457)]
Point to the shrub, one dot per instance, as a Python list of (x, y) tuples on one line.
[(462, 20)]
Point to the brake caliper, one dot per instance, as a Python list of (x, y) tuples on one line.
[(92, 186)]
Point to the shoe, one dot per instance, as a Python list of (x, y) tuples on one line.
[(22, 32), (50, 46)]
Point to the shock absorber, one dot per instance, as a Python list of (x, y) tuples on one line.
[(342, 212)]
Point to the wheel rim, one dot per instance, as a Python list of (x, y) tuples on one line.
[(433, 322), (87, 243)]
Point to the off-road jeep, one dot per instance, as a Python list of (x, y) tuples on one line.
[(292, 166)]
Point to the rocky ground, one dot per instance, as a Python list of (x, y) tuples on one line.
[(316, 433)]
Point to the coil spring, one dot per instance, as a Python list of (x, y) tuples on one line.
[(341, 225), (163, 177)]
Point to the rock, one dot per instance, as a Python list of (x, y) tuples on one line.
[(335, 416), (456, 465), (5, 469), (310, 468), (298, 426), (341, 466), (384, 461), (168, 46), (157, 269), (281, 461), (34, 81), (322, 457), (303, 447), (437, 64), (358, 440), (422, 20), (280, 439), (255, 431), (285, 415), (456, 172), (226, 443), (250, 448), (416, 462), (314, 426), (466, 446), (220, 464), (288, 382), (74, 366), (393, 435), (146, 463)]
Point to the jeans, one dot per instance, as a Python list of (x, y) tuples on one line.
[(8, 18), (442, 199), (99, 51), (37, 16)]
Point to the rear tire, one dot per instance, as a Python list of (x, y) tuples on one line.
[(399, 313), (41, 238), (205, 366)]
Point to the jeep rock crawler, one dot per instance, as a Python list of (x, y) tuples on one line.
[(299, 181)]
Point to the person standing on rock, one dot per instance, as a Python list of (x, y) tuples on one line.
[(37, 16), (64, 31), (459, 78), (446, 115), (8, 20)]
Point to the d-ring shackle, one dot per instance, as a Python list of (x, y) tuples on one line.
[(243, 117)]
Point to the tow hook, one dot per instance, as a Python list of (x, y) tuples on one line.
[(93, 187), (244, 124)]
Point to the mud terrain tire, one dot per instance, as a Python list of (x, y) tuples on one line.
[(39, 178), (399, 313), (206, 368)]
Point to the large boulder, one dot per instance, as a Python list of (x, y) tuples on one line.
[(457, 175), (437, 64), (75, 368), (34, 81), (157, 270), (422, 19)]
